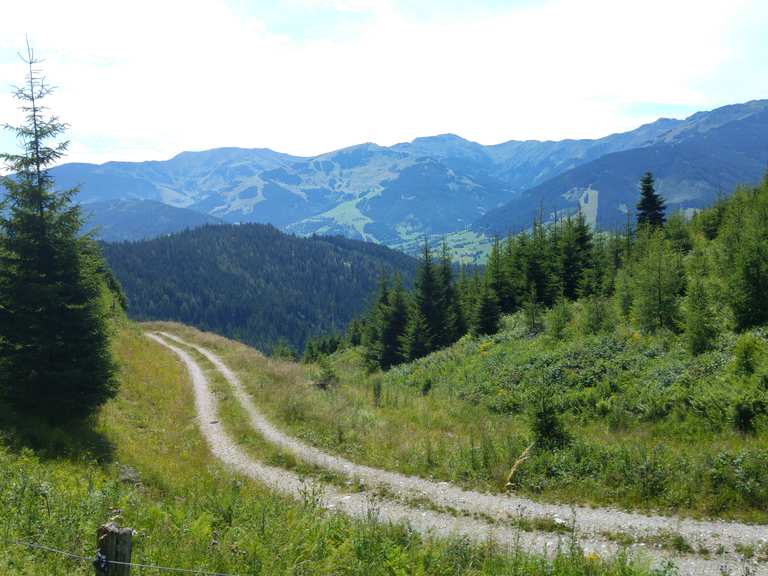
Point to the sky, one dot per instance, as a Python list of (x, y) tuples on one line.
[(147, 79)]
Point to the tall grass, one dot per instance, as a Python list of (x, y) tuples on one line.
[(191, 512)]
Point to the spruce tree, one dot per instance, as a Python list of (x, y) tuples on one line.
[(659, 281), (487, 314), (55, 358), (426, 297), (650, 208), (393, 325), (468, 290), (515, 269), (589, 275), (629, 238), (498, 278), (623, 293), (570, 261), (699, 325), (454, 324), (414, 341), (374, 326), (539, 262)]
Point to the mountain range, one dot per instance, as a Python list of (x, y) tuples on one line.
[(434, 186)]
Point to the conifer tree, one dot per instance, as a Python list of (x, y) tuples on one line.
[(571, 268), (414, 342), (532, 311), (55, 358), (393, 325), (539, 260), (589, 277), (650, 208), (623, 293), (658, 284), (426, 297), (678, 232), (372, 333), (514, 269), (608, 261), (487, 313), (454, 324), (499, 280), (629, 238), (700, 327), (745, 239), (469, 289)]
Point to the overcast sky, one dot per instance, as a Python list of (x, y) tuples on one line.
[(147, 79)]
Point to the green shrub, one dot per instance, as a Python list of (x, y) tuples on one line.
[(532, 313), (327, 376), (746, 410), (558, 318), (603, 407), (746, 354), (282, 350), (623, 294), (595, 315), (377, 392), (700, 327), (547, 427)]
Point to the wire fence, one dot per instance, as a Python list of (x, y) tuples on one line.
[(93, 560)]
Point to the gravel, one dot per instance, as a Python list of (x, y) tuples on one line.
[(591, 524)]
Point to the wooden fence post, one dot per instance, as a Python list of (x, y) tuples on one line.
[(114, 544)]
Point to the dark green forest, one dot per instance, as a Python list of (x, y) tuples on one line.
[(253, 282)]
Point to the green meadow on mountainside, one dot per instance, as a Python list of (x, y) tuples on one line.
[(146, 465)]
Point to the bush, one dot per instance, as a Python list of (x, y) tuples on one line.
[(623, 294), (548, 430), (700, 328), (532, 313), (596, 315), (746, 354), (282, 350), (558, 319), (745, 411), (327, 376), (377, 392)]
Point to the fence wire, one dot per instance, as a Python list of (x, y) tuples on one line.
[(140, 565)]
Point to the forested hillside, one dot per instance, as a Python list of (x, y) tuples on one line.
[(119, 220), (252, 282), (624, 369), (662, 274)]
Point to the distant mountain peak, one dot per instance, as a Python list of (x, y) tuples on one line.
[(435, 184), (447, 137)]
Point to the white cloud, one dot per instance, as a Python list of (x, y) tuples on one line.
[(356, 6), (148, 79)]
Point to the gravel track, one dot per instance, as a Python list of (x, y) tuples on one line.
[(590, 523)]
